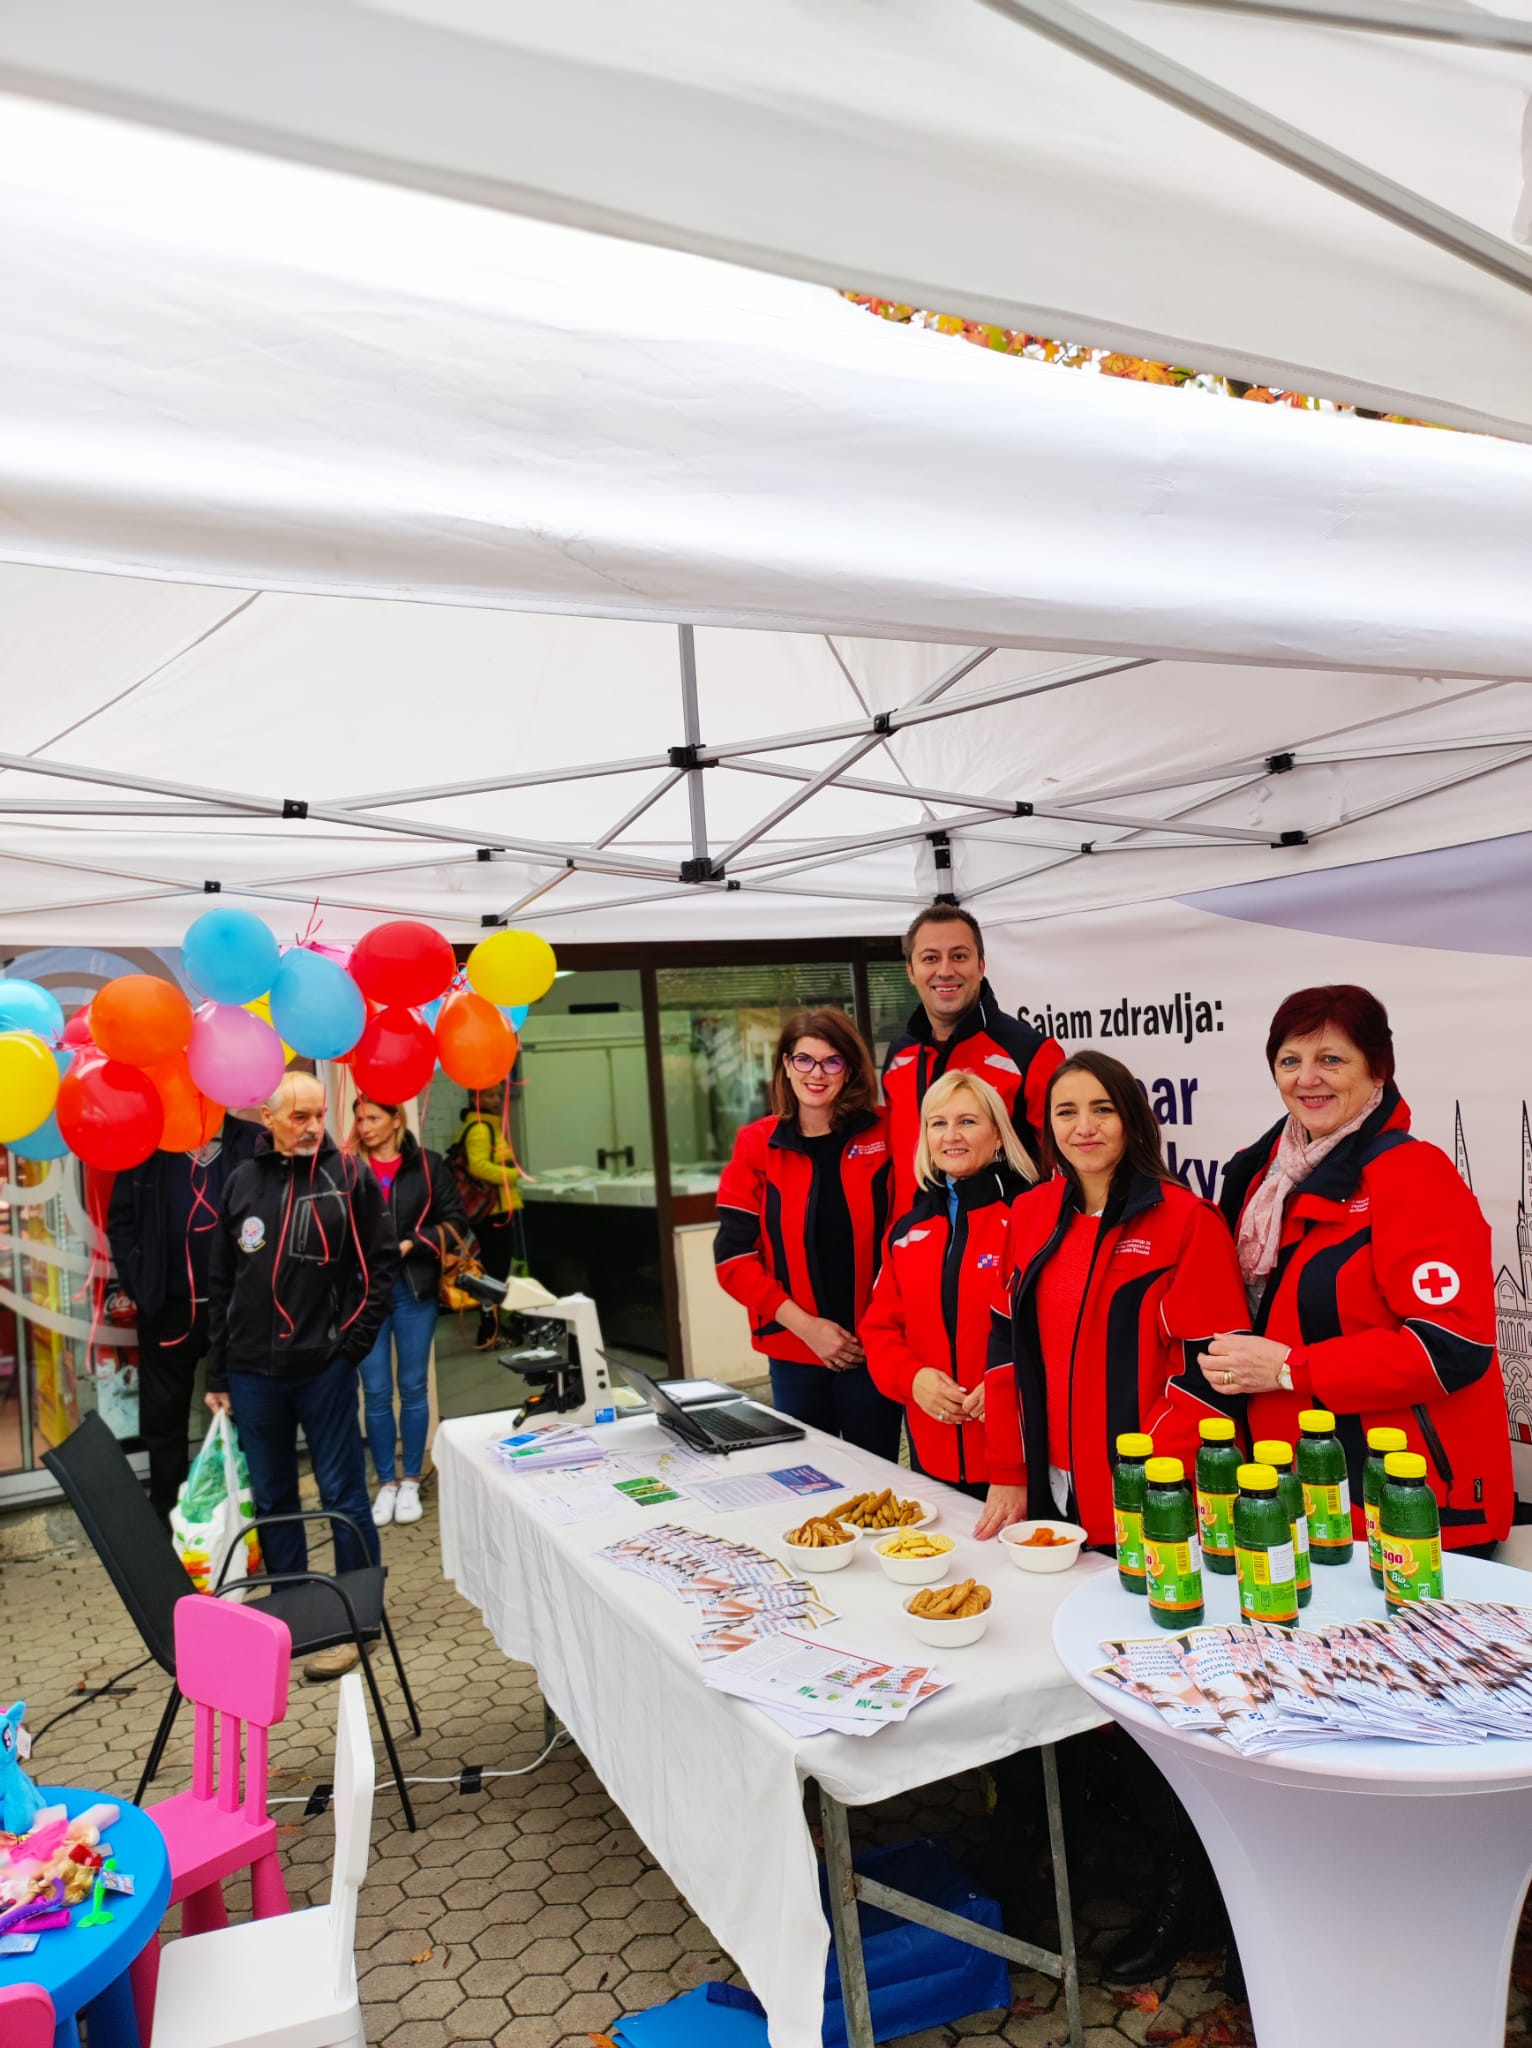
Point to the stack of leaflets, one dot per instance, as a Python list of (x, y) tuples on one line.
[(740, 1596), (551, 1444), (1439, 1671), (816, 1688)]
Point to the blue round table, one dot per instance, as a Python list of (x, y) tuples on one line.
[(86, 1968)]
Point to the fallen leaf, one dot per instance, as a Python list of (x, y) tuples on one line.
[(1029, 2008), (1144, 1999), (601, 1980), (424, 1956)]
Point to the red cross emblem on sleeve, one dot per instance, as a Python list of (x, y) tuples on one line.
[(1435, 1282)]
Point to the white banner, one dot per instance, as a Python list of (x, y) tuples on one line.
[(1184, 992)]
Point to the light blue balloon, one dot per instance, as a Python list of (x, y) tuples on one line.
[(26, 1007), (516, 1016), (431, 1011), (316, 1006), (230, 956), (47, 1141)]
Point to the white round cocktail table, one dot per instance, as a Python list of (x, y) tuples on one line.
[(1374, 1888)]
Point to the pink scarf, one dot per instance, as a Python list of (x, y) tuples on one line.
[(1296, 1156)]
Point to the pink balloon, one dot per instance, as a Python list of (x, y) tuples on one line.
[(234, 1058)]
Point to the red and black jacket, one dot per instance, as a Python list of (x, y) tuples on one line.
[(931, 1307), (1163, 1279), (765, 1251), (1016, 1061), (1384, 1287)]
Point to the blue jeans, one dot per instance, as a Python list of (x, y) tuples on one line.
[(268, 1414), (407, 1329), (844, 1404)]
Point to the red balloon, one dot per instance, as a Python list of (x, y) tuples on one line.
[(140, 1020), (395, 1056), (77, 1030), (403, 963), (191, 1119), (110, 1114), (476, 1046)]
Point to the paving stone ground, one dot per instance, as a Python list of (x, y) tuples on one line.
[(530, 1915)]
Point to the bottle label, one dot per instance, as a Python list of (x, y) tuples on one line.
[(1215, 1515), (1268, 1589), (1372, 1516), (1130, 1542), (1329, 1514), (1412, 1568), (1174, 1571), (1301, 1550)]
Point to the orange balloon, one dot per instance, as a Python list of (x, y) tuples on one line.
[(190, 1118), (141, 1020), (476, 1046)]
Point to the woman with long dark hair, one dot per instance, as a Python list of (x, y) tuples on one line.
[(802, 1208), (1116, 1275)]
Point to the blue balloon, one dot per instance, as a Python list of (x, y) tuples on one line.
[(230, 956), (316, 1006), (516, 1015), (431, 1011), (47, 1141), (26, 1007)]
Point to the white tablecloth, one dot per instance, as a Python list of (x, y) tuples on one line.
[(711, 1785)]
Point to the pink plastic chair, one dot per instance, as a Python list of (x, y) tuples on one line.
[(26, 2017), (232, 1663)]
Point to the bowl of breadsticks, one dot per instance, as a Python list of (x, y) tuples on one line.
[(949, 1617), (914, 1557), (821, 1544), (871, 1512)]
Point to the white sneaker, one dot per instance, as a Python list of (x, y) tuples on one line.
[(408, 1508), (384, 1508)]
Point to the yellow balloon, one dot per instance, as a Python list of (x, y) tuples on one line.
[(511, 968), (29, 1084), (261, 1007)]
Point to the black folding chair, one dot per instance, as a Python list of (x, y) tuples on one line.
[(321, 1609)]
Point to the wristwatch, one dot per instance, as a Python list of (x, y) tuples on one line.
[(1285, 1377)]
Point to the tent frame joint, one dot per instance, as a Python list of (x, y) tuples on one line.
[(703, 868), (689, 756), (1292, 839), (1023, 810), (212, 888), (1281, 764), (294, 807)]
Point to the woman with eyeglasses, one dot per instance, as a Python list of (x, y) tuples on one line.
[(802, 1208)]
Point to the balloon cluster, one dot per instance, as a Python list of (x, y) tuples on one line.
[(141, 1070)]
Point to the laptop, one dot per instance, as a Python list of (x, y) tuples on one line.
[(721, 1426)]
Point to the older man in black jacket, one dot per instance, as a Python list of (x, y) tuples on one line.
[(302, 1273), (160, 1226)]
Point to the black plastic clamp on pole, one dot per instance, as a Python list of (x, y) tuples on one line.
[(294, 807), (212, 888), (1280, 764), (1293, 839), (702, 869), (883, 723), (1023, 810), (686, 757), (490, 920)]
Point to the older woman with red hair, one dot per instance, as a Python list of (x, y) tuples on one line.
[(1367, 1264)]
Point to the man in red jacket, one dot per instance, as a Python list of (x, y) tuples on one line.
[(959, 1024)]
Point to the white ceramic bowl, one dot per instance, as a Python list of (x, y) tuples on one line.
[(1050, 1557), (914, 1571), (948, 1635), (822, 1557)]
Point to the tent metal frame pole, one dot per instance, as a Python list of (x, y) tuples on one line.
[(488, 785), (1404, 797), (832, 773), (1242, 121), (1100, 848), (691, 727), (628, 817), (892, 836), (1434, 24)]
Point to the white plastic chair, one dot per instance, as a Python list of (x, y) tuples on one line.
[(288, 1982)]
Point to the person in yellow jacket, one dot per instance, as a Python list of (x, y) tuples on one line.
[(492, 1194)]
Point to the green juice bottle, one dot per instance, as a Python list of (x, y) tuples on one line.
[(1263, 1549), (1409, 1532), (1172, 1557), (1128, 1486), (1326, 1487), (1218, 1463), (1279, 1456), (1379, 1443)]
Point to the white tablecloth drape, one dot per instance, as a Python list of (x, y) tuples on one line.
[(711, 1785)]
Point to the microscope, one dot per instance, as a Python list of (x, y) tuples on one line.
[(555, 1345)]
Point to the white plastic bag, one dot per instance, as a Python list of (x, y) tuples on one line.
[(212, 1508)]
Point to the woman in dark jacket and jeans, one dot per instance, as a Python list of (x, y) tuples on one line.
[(428, 1220)]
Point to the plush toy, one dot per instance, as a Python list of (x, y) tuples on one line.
[(20, 1800)]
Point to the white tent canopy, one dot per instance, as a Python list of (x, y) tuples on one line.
[(383, 512), (1328, 195)]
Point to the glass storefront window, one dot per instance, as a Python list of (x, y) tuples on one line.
[(718, 1032), (890, 999)]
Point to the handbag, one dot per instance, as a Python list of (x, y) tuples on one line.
[(456, 1264), (215, 1503)]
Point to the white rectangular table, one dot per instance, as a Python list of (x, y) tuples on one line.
[(714, 1788)]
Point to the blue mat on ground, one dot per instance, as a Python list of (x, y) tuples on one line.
[(915, 1977)]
